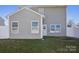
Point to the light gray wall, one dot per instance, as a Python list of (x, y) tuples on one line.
[(54, 15), (25, 17)]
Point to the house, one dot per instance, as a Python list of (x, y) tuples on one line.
[(36, 21)]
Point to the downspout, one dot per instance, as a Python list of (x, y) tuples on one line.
[(41, 27), (8, 28)]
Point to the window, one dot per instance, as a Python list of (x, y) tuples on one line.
[(14, 26), (55, 28), (52, 28), (35, 26), (41, 10), (58, 26)]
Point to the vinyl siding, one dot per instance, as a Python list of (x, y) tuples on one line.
[(25, 17), (54, 15)]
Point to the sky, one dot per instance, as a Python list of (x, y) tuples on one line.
[(7, 9), (72, 11)]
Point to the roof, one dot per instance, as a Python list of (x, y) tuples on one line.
[(42, 6), (26, 9), (2, 22)]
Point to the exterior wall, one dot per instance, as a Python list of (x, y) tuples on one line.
[(54, 15), (25, 17)]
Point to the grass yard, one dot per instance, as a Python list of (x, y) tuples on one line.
[(48, 45)]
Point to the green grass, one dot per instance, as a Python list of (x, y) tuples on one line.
[(48, 45)]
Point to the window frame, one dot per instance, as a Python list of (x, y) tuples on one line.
[(15, 31), (33, 31), (55, 28)]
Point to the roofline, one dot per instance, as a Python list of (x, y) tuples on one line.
[(35, 12), (42, 6), (27, 9)]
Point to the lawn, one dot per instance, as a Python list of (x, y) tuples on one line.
[(48, 45)]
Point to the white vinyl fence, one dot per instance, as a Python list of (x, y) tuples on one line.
[(73, 32), (76, 32), (4, 32)]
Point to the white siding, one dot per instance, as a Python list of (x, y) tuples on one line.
[(41, 10)]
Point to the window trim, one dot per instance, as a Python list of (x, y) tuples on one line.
[(35, 32), (17, 31), (55, 28)]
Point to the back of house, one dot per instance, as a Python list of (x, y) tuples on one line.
[(52, 24)]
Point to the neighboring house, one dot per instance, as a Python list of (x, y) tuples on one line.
[(34, 22)]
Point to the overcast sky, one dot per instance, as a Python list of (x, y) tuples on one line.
[(72, 11)]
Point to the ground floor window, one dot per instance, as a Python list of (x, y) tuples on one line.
[(35, 26), (55, 28), (14, 26)]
